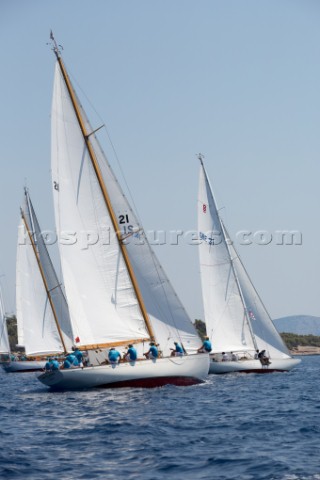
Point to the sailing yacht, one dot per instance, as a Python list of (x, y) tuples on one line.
[(43, 322), (4, 338), (237, 322), (116, 289)]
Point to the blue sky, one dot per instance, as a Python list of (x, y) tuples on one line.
[(236, 80)]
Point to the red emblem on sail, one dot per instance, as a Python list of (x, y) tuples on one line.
[(204, 208), (77, 340)]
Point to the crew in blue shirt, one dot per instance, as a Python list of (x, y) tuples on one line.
[(114, 356), (152, 353), (66, 363), (52, 364), (78, 354), (177, 351), (206, 346), (55, 365), (71, 361), (131, 355), (47, 366)]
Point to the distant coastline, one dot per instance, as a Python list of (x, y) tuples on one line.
[(305, 350)]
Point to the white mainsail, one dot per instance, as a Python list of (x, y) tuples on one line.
[(235, 317), (4, 339), (103, 301), (225, 318), (53, 285), (37, 325)]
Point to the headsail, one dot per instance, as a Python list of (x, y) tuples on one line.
[(265, 333), (165, 312), (235, 317)]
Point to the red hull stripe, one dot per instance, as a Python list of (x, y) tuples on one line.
[(154, 382)]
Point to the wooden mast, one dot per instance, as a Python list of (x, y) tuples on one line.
[(44, 280), (95, 164)]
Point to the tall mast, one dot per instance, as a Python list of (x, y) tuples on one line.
[(246, 313), (45, 283), (96, 167)]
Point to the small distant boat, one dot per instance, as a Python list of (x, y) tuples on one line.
[(237, 322), (117, 291), (4, 338), (6, 357), (43, 321), (23, 366)]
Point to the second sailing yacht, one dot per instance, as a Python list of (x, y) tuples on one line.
[(43, 321), (237, 322)]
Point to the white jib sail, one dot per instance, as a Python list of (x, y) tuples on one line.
[(34, 313), (224, 312), (167, 315), (4, 339), (102, 303), (266, 334)]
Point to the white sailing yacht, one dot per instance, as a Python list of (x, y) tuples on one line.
[(4, 338), (43, 321), (237, 322), (117, 291)]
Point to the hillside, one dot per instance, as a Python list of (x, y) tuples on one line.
[(299, 325)]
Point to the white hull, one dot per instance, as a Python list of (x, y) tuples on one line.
[(186, 370), (253, 366), (23, 366)]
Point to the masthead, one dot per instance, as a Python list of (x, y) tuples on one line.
[(200, 157), (56, 48)]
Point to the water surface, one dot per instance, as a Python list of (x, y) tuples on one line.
[(232, 427)]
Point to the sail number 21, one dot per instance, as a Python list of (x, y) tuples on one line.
[(124, 220)]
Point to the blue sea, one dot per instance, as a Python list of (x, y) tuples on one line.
[(232, 427)]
